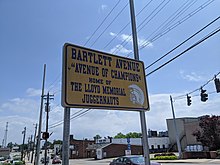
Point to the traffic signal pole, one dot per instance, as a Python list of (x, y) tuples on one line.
[(37, 156), (142, 113), (175, 127)]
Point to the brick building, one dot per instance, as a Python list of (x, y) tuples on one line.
[(78, 148)]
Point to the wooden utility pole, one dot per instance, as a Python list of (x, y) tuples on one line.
[(22, 150), (35, 133), (47, 109)]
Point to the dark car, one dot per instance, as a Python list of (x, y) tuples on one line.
[(131, 160)]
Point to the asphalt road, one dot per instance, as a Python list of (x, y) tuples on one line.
[(173, 162)]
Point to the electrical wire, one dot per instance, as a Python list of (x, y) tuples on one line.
[(171, 18), (109, 24), (61, 121), (127, 25), (145, 23), (194, 45), (102, 22), (166, 23), (74, 116), (198, 89), (126, 40), (176, 24), (182, 43), (182, 9)]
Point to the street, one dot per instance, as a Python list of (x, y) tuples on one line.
[(167, 162)]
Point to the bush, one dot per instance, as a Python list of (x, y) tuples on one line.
[(165, 154), (19, 163), (218, 153), (5, 163), (165, 158)]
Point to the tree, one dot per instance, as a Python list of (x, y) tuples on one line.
[(128, 135), (56, 142), (119, 136), (96, 137), (133, 135), (209, 134)]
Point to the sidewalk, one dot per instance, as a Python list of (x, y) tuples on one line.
[(213, 161)]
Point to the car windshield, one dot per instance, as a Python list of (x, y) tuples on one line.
[(139, 159)]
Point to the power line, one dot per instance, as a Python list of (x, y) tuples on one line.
[(194, 45), (61, 121), (198, 89), (109, 24), (140, 28), (172, 18), (127, 25), (74, 116), (125, 41), (102, 22), (177, 14), (182, 42), (57, 79), (156, 37)]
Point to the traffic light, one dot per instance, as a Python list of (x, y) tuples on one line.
[(204, 95), (45, 135), (189, 101), (217, 85)]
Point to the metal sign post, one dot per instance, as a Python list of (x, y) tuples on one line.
[(66, 137), (142, 113)]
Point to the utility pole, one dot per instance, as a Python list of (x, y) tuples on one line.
[(175, 127), (47, 109), (22, 150), (28, 149), (36, 161), (4, 141), (142, 113), (35, 133)]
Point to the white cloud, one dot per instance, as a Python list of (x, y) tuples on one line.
[(120, 50), (20, 105), (22, 113), (128, 38), (33, 92), (192, 76), (113, 34), (103, 7)]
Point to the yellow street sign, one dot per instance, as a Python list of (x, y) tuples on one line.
[(94, 79)]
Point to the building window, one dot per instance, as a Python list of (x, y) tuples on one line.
[(152, 147), (164, 146), (158, 146)]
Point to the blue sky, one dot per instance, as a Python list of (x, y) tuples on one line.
[(33, 33)]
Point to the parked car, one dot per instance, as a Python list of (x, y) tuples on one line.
[(131, 160), (56, 160)]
